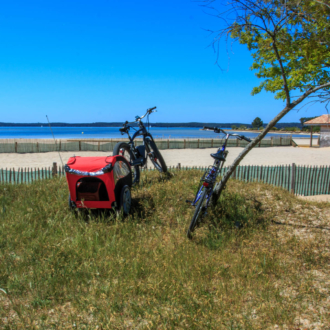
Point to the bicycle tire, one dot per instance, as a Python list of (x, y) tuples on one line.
[(197, 212), (157, 159), (124, 149), (71, 205)]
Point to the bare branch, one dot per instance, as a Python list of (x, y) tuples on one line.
[(322, 3)]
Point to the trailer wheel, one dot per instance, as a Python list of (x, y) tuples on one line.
[(71, 203), (125, 200)]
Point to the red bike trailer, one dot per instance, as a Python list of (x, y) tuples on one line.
[(99, 183)]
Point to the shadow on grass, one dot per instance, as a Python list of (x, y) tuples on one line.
[(141, 208), (232, 215)]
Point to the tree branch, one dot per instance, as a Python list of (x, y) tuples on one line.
[(322, 3), (218, 189), (285, 83)]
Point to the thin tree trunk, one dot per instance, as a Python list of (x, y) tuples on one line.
[(219, 187)]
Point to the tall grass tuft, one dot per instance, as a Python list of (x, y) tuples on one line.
[(255, 262)]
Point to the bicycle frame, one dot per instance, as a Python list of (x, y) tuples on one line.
[(142, 152), (209, 178), (212, 173), (205, 191)]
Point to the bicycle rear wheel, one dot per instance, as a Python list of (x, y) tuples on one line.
[(155, 156), (123, 149), (194, 221)]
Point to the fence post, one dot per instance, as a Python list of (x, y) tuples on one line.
[(280, 140), (198, 144), (54, 169), (271, 141), (212, 143), (15, 146), (317, 184), (168, 144), (184, 144), (327, 181), (293, 178), (79, 145)]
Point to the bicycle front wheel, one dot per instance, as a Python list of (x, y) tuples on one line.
[(155, 156), (123, 149), (194, 221)]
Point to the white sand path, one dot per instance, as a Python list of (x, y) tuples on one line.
[(317, 198), (187, 157)]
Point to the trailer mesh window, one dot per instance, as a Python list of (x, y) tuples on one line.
[(120, 170)]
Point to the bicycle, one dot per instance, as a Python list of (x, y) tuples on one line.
[(137, 156), (205, 190)]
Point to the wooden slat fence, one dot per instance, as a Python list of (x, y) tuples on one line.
[(299, 180), (36, 146), (29, 175)]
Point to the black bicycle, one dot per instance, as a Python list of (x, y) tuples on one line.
[(207, 185), (137, 156)]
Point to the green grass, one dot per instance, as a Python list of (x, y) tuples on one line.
[(63, 270)]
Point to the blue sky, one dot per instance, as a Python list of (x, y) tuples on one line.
[(91, 61)]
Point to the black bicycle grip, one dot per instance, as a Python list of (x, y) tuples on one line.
[(207, 127), (152, 109), (245, 138)]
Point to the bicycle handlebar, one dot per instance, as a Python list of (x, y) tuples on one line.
[(215, 129), (218, 130), (149, 111)]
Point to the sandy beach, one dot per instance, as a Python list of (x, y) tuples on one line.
[(187, 157)]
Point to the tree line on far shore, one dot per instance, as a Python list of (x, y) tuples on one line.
[(253, 125), (258, 124)]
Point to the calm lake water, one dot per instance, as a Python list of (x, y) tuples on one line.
[(113, 132)]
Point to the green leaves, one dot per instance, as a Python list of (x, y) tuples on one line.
[(257, 123), (289, 43)]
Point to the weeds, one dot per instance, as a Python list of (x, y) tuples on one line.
[(60, 269)]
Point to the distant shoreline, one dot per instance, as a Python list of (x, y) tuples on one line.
[(158, 125), (275, 132)]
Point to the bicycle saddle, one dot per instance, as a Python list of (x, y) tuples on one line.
[(219, 156)]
